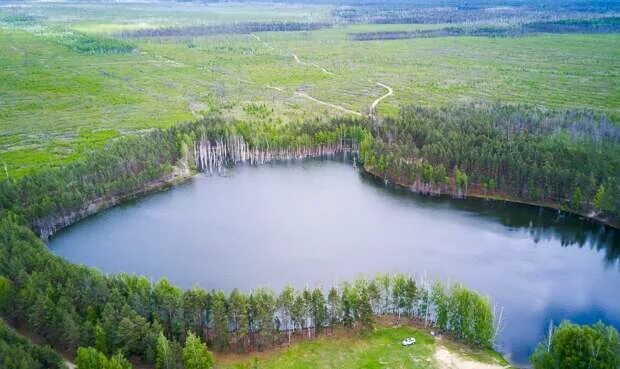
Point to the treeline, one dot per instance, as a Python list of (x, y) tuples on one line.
[(16, 352), (228, 28), (568, 159), (58, 196), (18, 19), (453, 31), (593, 25), (428, 12), (395, 13), (578, 347), (73, 306), (91, 44)]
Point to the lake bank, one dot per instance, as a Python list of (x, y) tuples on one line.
[(306, 217)]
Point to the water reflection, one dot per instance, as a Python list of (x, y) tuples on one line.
[(541, 224)]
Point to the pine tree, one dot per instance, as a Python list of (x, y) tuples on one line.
[(164, 356), (220, 321), (285, 304), (365, 314), (195, 354), (334, 307)]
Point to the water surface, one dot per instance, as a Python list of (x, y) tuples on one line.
[(323, 222)]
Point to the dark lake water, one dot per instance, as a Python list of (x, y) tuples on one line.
[(320, 222)]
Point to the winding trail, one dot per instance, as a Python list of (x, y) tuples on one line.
[(312, 65), (306, 96), (261, 41), (295, 57), (376, 102)]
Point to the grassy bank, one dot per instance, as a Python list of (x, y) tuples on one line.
[(380, 349)]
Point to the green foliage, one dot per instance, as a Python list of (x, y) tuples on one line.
[(570, 159), (90, 358), (6, 295), (17, 352), (220, 321), (89, 44), (165, 356), (470, 317), (441, 302), (579, 347), (195, 354), (365, 313), (51, 92), (259, 111), (577, 199), (126, 166), (122, 313)]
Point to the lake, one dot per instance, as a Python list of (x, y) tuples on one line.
[(321, 222)]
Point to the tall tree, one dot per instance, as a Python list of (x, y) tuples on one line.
[(297, 312), (195, 310), (365, 314), (195, 354), (334, 307), (285, 305), (168, 301), (221, 325), (165, 356), (319, 309)]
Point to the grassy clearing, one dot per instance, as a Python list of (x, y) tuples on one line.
[(382, 349), (51, 94)]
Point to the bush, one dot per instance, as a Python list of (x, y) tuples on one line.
[(579, 347)]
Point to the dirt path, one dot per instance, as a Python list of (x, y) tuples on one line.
[(295, 57), (261, 41), (373, 106), (376, 102), (450, 360), (342, 108), (312, 65)]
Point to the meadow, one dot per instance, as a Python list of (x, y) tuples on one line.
[(380, 349), (74, 76)]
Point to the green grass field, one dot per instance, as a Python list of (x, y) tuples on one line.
[(56, 102), (382, 349)]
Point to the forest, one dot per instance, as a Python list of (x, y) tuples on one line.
[(565, 159), (57, 196), (17, 352), (451, 12), (584, 26), (74, 306), (245, 27)]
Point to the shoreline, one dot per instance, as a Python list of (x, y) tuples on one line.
[(47, 227), (476, 195)]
